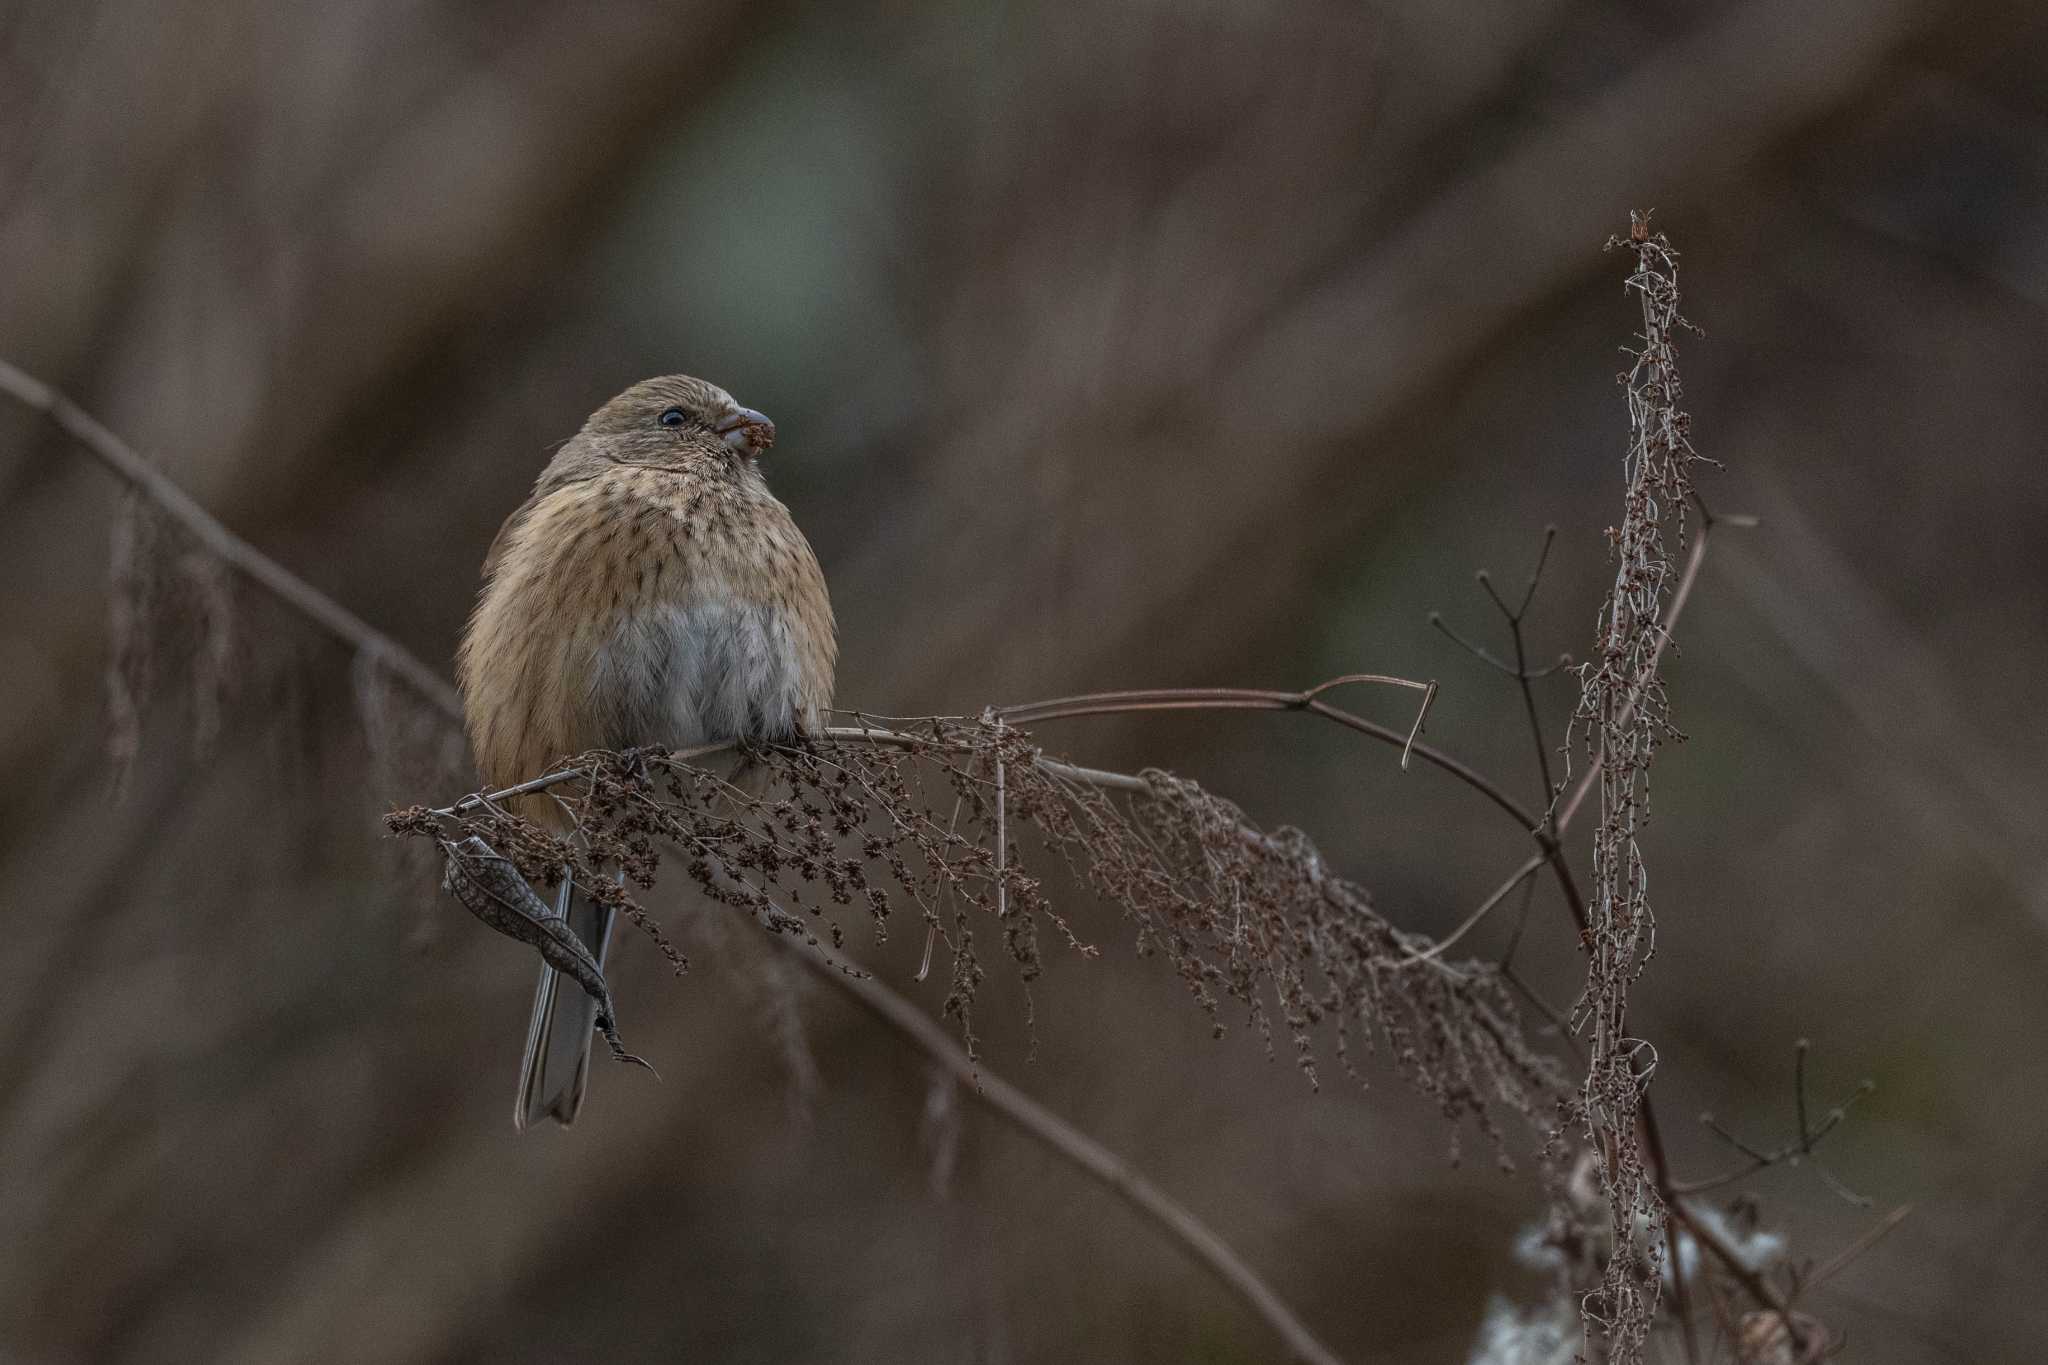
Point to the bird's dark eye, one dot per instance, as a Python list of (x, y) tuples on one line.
[(673, 418)]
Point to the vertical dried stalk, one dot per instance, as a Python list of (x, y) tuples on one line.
[(131, 602), (211, 592), (1625, 717)]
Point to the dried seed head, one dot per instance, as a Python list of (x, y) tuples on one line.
[(933, 824)]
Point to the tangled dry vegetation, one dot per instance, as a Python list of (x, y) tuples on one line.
[(931, 819), (1624, 717)]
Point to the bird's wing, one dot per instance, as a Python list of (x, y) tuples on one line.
[(550, 483)]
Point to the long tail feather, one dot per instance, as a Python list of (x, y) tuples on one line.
[(556, 1069)]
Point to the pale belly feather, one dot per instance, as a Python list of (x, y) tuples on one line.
[(699, 673)]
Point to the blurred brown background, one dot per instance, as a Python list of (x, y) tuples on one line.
[(1141, 344)]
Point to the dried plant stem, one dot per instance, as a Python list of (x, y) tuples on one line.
[(1486, 907), (1877, 1233), (1079, 1150), (1228, 699), (1679, 595), (1625, 717), (1266, 699), (1549, 832), (1753, 1281), (1659, 1169), (1658, 1165)]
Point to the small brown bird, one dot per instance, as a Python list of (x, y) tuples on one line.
[(650, 591)]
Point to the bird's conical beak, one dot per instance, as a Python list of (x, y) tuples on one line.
[(748, 432)]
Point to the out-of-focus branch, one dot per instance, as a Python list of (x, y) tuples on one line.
[(1079, 1150), (316, 606), (1758, 1285), (1034, 1119), (1847, 1255)]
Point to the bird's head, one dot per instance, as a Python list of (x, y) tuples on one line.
[(676, 422)]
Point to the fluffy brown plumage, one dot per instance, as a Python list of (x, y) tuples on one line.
[(650, 591)]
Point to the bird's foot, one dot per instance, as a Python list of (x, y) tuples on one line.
[(634, 758)]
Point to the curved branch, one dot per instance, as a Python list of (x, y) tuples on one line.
[(1486, 907), (1225, 699)]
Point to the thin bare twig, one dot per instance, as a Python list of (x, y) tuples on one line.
[(1261, 699), (1227, 699), (1841, 1260), (1500, 893), (1547, 831), (1802, 1145)]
